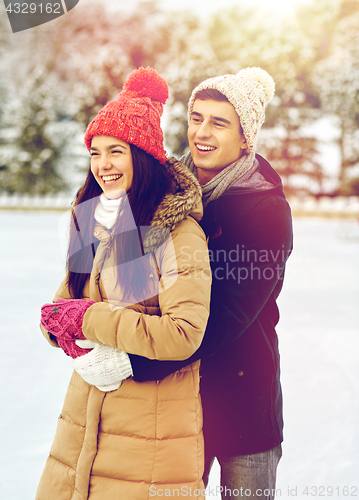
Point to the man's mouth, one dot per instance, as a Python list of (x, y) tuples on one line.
[(205, 148), (109, 179)]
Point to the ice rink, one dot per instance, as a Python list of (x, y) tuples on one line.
[(319, 344)]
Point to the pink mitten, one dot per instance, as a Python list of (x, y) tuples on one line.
[(71, 349), (64, 320)]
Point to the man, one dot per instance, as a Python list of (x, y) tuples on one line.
[(248, 224)]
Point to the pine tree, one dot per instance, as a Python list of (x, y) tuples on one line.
[(31, 158), (337, 78)]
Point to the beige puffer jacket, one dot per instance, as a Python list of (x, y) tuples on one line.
[(143, 440)]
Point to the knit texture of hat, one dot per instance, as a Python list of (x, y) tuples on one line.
[(249, 91), (135, 115)]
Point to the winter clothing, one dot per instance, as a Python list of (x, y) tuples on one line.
[(250, 238), (251, 473), (107, 211), (64, 321), (134, 116), (253, 179), (249, 91), (102, 366), (223, 180), (119, 444)]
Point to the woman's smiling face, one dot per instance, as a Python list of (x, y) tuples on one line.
[(111, 164)]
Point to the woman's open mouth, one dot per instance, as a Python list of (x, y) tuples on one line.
[(110, 179)]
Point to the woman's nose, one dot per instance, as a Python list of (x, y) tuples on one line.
[(104, 162)]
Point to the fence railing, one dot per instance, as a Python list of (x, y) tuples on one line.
[(339, 206), (325, 206), (27, 202)]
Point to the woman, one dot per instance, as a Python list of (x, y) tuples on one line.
[(138, 281)]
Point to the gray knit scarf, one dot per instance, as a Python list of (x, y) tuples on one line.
[(225, 179)]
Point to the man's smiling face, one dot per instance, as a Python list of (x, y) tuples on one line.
[(215, 137)]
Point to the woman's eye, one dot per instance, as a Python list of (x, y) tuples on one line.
[(116, 151), (93, 154)]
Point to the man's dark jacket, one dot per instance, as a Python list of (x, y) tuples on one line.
[(250, 239)]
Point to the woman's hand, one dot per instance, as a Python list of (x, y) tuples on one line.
[(104, 366), (63, 320)]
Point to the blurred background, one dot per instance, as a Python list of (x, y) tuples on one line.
[(54, 79)]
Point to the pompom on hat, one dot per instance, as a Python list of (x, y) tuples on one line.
[(135, 115), (249, 92)]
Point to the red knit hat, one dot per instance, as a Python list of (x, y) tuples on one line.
[(134, 116)]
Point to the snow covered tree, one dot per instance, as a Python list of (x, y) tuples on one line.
[(30, 159), (242, 37), (337, 78), (4, 77), (3, 98), (188, 60), (295, 155), (100, 49), (90, 52)]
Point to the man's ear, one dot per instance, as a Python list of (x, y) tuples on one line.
[(243, 143)]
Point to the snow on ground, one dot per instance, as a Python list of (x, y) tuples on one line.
[(319, 345)]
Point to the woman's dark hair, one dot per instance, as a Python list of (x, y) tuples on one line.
[(150, 183)]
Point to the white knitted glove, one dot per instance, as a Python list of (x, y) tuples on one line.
[(104, 366)]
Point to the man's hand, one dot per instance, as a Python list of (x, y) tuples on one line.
[(104, 366)]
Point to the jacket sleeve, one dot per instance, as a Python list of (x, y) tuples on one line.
[(177, 332), (242, 287)]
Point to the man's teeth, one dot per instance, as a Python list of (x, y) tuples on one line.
[(110, 178), (201, 147)]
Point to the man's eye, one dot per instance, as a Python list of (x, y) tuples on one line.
[(93, 153), (217, 124)]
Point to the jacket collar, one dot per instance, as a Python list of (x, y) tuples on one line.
[(268, 172), (185, 199)]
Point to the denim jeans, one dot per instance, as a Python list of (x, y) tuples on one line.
[(248, 476)]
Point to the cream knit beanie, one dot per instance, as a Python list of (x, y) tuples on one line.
[(249, 91)]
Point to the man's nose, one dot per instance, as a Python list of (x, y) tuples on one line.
[(204, 130)]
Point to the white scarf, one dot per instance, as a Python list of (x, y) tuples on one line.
[(107, 210)]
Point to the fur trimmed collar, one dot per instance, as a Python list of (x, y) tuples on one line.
[(185, 199)]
